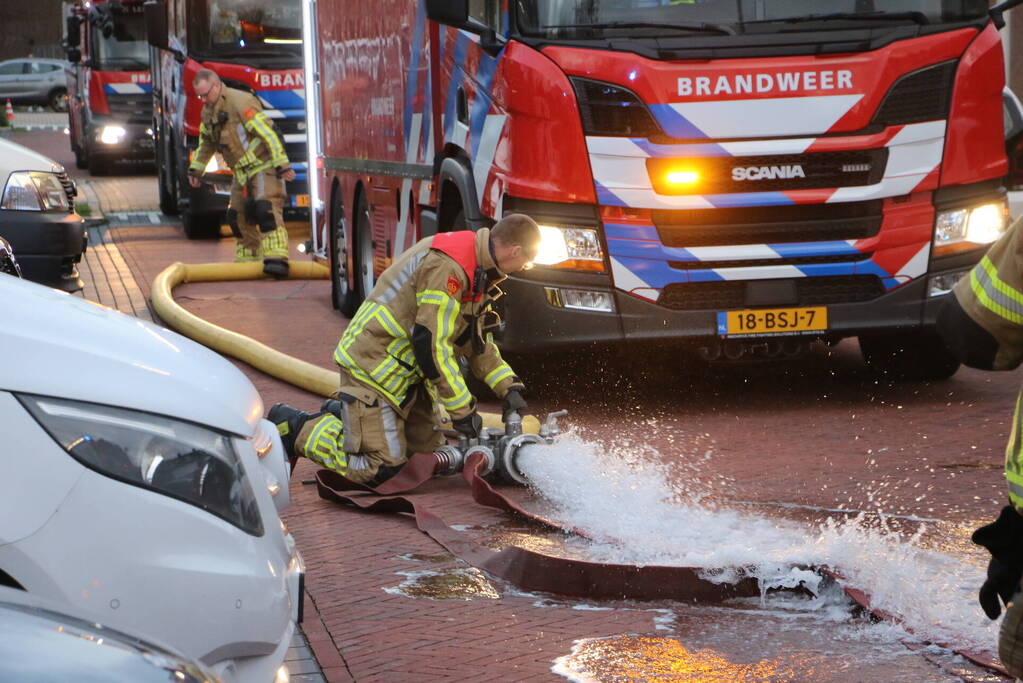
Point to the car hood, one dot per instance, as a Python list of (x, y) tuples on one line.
[(55, 344), (15, 157)]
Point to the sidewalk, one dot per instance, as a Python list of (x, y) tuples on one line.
[(44, 120)]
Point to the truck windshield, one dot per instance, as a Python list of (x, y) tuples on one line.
[(120, 45), (585, 17), (227, 28)]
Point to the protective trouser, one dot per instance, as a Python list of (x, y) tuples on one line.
[(1010, 637), (255, 214), (370, 441)]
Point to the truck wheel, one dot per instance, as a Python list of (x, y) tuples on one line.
[(200, 226), (365, 278), (58, 100), (917, 355), (344, 296), (80, 159), (97, 164), (168, 192)]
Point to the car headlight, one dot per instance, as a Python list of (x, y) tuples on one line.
[(179, 459), (570, 248), (112, 135), (34, 191), (969, 228)]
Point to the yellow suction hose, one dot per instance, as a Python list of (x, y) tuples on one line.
[(287, 368)]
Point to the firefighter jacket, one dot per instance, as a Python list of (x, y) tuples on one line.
[(238, 128), (983, 325), (428, 310)]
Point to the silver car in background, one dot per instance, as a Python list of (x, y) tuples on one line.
[(35, 81)]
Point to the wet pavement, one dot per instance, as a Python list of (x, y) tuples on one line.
[(787, 446)]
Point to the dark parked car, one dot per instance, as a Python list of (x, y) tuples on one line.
[(40, 642), (37, 217), (35, 81)]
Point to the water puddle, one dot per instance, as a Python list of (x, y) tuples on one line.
[(461, 583)]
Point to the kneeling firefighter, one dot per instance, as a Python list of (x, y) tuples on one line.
[(399, 355), (234, 124), (982, 323)]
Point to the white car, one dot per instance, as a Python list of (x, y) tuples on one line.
[(138, 481)]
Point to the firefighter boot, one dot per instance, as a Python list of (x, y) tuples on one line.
[(289, 421), (275, 267)]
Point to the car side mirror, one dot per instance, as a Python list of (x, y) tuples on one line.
[(451, 12), (156, 24), (74, 55)]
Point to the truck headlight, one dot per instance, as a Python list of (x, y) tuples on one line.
[(570, 248), (969, 228), (112, 135), (34, 191), (179, 459)]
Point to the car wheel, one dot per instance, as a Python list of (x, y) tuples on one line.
[(80, 159), (165, 182), (58, 100)]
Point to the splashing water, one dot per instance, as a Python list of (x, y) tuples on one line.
[(623, 500)]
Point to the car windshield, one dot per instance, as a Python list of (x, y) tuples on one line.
[(120, 43), (717, 16), (245, 27)]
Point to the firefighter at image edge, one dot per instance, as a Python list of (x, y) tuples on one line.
[(982, 323), (233, 123), (399, 356)]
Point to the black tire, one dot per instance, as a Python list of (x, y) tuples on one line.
[(57, 99), (199, 226), (343, 294), (165, 180), (98, 165), (362, 259), (917, 355), (458, 222), (80, 159)]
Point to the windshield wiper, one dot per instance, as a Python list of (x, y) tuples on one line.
[(694, 26), (918, 17)]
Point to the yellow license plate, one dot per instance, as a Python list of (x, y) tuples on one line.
[(301, 200), (767, 321)]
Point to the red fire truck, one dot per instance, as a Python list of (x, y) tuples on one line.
[(253, 45), (744, 177), (109, 102)]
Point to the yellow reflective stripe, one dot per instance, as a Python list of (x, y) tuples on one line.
[(260, 124), (447, 315), (994, 293), (275, 243), (498, 374), (324, 444)]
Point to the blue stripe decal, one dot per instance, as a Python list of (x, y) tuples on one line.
[(739, 199), (457, 76), (481, 102), (652, 250), (704, 276), (869, 267), (282, 99), (144, 87), (674, 124), (413, 69), (657, 274), (606, 197), (631, 232), (656, 151), (800, 249), (289, 113)]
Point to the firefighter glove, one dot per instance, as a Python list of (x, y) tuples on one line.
[(470, 425), (1004, 540), (513, 403)]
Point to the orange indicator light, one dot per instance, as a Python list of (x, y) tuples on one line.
[(682, 177)]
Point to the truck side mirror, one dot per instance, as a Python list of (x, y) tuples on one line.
[(1014, 150), (74, 55), (156, 24), (451, 12), (74, 31)]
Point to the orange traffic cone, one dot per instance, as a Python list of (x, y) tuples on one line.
[(10, 110)]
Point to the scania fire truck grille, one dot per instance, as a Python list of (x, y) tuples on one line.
[(810, 291), (919, 96), (769, 224), (134, 108), (759, 262), (722, 175)]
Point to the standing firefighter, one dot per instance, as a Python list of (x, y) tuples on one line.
[(400, 354), (233, 123), (983, 325)]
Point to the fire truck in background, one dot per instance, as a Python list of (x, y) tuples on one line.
[(253, 45), (109, 101), (744, 177)]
